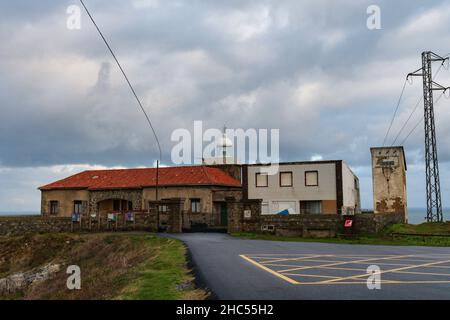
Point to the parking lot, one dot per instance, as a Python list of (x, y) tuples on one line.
[(331, 269), (234, 268)]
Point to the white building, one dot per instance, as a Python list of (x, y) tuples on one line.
[(328, 187)]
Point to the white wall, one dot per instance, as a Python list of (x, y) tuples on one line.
[(349, 189), (326, 190)]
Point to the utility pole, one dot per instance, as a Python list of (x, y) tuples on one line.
[(434, 205)]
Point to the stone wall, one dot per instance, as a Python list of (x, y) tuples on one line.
[(374, 223), (306, 225), (243, 215), (171, 218), (33, 224), (42, 224)]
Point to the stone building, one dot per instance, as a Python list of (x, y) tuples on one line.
[(202, 190), (219, 196), (389, 180)]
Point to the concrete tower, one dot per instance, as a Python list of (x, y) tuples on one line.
[(389, 180)]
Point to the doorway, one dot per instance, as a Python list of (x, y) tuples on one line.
[(223, 214)]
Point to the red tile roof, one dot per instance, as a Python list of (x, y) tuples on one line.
[(146, 177)]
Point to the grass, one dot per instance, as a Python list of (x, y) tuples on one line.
[(113, 266), (383, 238), (424, 228), (155, 278)]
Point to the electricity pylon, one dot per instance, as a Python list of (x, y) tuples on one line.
[(434, 205)]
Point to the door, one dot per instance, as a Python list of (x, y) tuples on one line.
[(223, 215)]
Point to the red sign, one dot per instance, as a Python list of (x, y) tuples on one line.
[(348, 223)]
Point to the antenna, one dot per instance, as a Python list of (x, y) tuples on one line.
[(224, 144)]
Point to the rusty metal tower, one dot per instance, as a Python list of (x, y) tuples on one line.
[(434, 205)]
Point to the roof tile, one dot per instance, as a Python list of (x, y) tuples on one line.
[(145, 177)]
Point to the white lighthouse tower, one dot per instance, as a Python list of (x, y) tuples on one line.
[(221, 151)]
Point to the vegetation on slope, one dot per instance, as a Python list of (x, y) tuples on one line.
[(113, 266)]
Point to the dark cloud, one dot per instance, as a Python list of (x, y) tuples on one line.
[(311, 69)]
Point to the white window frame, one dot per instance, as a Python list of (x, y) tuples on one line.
[(265, 205)]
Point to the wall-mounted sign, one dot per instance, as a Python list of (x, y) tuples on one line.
[(348, 211), (130, 216), (387, 162), (348, 223), (247, 214)]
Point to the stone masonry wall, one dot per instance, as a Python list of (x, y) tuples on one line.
[(306, 225), (374, 223), (33, 224), (42, 224)]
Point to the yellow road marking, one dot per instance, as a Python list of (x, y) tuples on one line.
[(417, 260), (332, 265), (387, 271), (388, 264), (340, 268), (336, 264), (278, 255), (309, 275), (405, 272), (424, 273), (270, 270), (295, 259), (337, 261), (382, 282)]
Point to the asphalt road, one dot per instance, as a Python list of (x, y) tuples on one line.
[(256, 269)]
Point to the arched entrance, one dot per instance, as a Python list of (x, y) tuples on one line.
[(108, 200), (114, 205)]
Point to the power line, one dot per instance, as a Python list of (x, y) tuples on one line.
[(419, 122), (395, 112), (415, 108), (126, 78)]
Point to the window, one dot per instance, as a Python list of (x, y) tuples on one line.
[(311, 206), (265, 208), (286, 179), (54, 207), (78, 206), (163, 208), (195, 205), (311, 178), (116, 205), (261, 180)]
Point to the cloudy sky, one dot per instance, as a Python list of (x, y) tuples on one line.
[(310, 68)]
